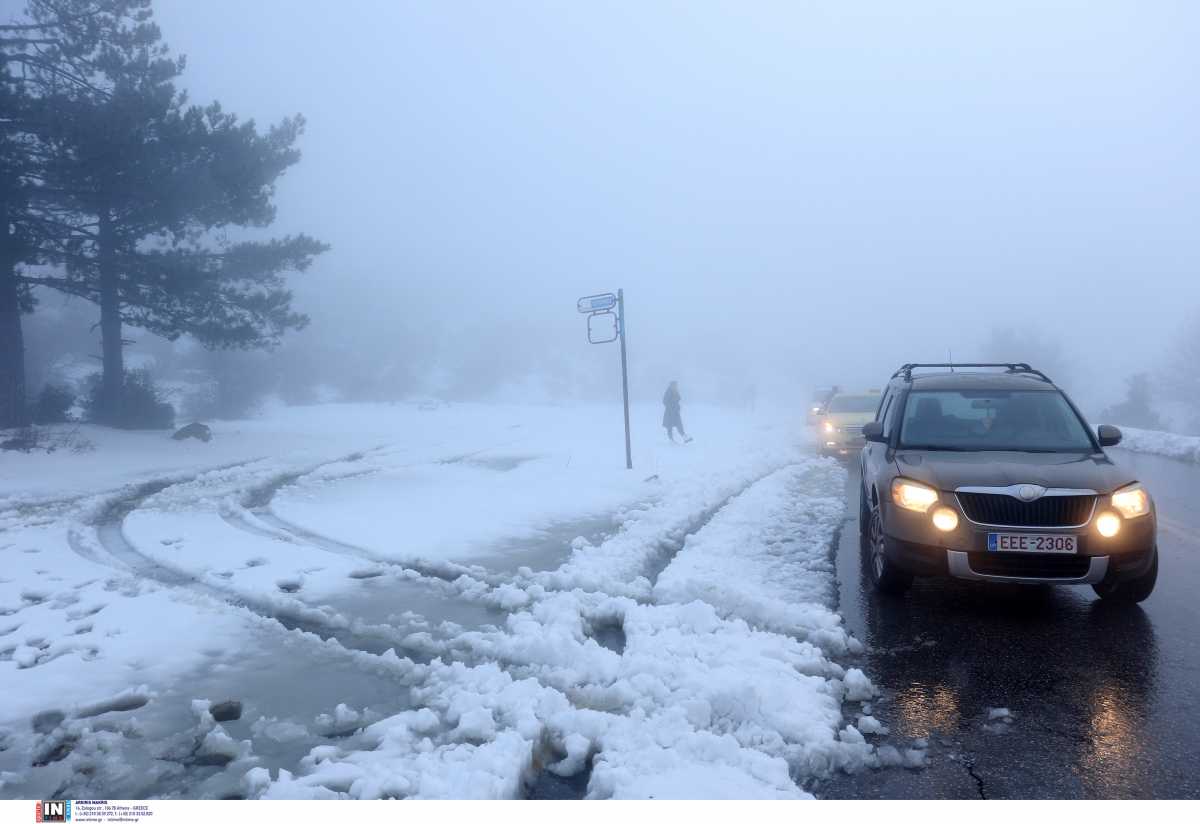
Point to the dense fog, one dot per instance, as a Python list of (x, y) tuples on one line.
[(791, 194)]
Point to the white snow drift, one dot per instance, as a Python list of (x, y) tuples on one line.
[(667, 632)]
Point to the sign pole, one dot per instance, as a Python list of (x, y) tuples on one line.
[(624, 375), (599, 308)]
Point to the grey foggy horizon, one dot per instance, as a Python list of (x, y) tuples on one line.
[(753, 175)]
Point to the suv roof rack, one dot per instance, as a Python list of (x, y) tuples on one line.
[(1012, 368)]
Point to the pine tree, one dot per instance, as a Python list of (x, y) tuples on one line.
[(1138, 408), (57, 44), (14, 250), (149, 182), (1180, 376)]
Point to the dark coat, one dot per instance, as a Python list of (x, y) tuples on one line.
[(671, 416)]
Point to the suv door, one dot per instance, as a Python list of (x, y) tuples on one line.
[(874, 455)]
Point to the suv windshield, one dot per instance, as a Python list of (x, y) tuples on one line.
[(854, 403), (992, 420)]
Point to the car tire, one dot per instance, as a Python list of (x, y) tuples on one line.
[(1133, 591), (885, 575)]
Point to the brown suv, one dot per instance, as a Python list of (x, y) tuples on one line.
[(996, 476)]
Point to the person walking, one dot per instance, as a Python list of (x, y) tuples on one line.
[(671, 417)]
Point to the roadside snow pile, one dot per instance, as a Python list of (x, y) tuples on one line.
[(696, 707), (677, 698), (1180, 447), (766, 556), (653, 532)]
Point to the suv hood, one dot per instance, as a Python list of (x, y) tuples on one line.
[(950, 470)]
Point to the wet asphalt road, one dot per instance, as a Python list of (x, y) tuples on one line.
[(1105, 702)]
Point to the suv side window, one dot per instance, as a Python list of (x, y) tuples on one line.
[(889, 415), (883, 404)]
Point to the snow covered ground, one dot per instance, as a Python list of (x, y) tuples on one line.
[(402, 601), (1180, 447)]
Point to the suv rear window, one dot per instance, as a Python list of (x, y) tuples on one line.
[(992, 420), (854, 403)]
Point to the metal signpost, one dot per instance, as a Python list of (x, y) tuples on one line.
[(605, 326)]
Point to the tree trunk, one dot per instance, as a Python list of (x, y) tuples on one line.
[(14, 406), (112, 382)]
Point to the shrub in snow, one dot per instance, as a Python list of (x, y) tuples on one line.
[(142, 406), (53, 404)]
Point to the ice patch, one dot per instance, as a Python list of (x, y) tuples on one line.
[(869, 725), (858, 686)]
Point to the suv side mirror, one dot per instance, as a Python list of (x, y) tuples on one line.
[(1109, 435), (873, 432)]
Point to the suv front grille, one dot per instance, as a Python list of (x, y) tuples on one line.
[(1029, 565), (1005, 510)]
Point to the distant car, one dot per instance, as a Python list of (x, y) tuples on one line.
[(816, 404), (839, 426), (996, 476)]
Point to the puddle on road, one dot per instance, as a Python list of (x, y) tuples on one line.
[(384, 598), (548, 786), (546, 549), (499, 463), (290, 690), (502, 464)]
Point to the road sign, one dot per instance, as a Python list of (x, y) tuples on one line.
[(597, 303), (602, 327)]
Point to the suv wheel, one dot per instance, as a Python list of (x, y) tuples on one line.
[(885, 575), (1133, 591)]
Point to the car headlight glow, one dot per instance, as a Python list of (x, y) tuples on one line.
[(913, 496), (1108, 524), (1132, 501), (945, 519), (829, 427)]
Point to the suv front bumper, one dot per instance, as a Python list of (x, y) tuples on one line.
[(914, 545)]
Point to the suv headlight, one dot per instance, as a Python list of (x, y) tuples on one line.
[(829, 427), (913, 496), (1133, 501)]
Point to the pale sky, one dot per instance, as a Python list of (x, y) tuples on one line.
[(805, 189)]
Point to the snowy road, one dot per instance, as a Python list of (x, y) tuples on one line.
[(1099, 702), (476, 602), (433, 603)]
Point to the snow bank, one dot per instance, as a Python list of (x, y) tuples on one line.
[(1180, 447), (681, 697), (767, 557)]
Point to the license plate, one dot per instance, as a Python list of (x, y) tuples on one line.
[(1027, 542)]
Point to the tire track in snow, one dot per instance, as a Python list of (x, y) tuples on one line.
[(290, 613), (13, 507), (265, 522), (672, 546)]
